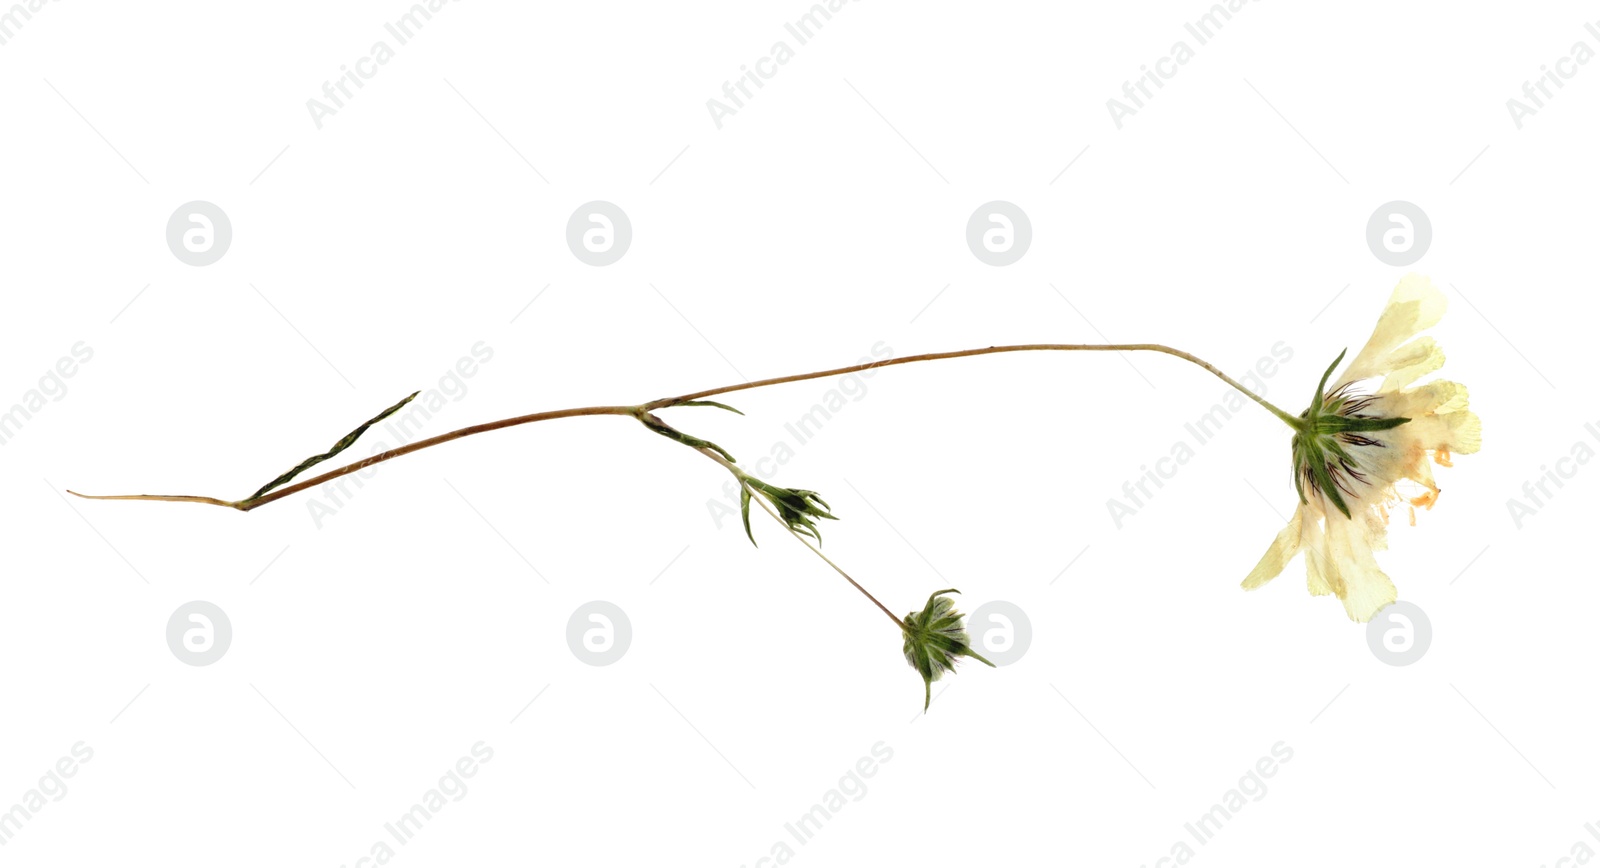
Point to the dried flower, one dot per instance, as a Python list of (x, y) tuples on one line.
[(935, 637), (1357, 453)]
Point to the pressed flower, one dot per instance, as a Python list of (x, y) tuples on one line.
[(1358, 450), (1366, 445), (935, 637)]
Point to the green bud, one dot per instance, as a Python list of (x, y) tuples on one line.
[(796, 506), (935, 637)]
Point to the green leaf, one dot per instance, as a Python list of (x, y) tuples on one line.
[(344, 443), (744, 510), (710, 404)]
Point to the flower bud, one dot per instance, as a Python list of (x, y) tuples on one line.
[(935, 637)]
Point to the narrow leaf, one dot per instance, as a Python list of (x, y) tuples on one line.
[(344, 443), (744, 509), (710, 404)]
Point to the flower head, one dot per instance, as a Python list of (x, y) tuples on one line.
[(1361, 450), (935, 637), (796, 507)]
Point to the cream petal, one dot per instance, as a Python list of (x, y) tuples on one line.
[(1410, 362), (1282, 550), (1376, 519), (1437, 397), (1415, 305), (1317, 566), (1380, 466), (1439, 417), (1363, 586)]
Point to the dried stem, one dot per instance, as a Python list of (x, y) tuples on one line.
[(1291, 421), (247, 505), (636, 411)]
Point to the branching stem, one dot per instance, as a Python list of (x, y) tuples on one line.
[(636, 411)]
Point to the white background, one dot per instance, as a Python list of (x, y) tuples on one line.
[(371, 652)]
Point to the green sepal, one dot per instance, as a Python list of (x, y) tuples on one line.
[(1324, 480), (1295, 464), (1322, 385), (1341, 424), (1318, 440)]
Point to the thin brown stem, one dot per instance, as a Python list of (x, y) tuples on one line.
[(981, 351), (170, 498), (435, 441), (313, 482), (637, 411)]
